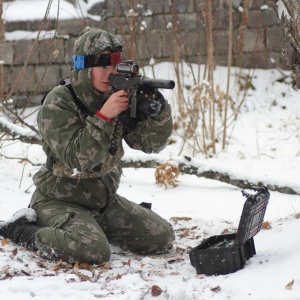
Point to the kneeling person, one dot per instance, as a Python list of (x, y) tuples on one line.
[(75, 211)]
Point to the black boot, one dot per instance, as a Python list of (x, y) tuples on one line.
[(21, 228)]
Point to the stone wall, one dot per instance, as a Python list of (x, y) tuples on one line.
[(161, 30)]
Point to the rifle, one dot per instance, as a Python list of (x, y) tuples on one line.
[(128, 79)]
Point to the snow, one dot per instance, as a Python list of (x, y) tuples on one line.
[(282, 10), (264, 146), (26, 212), (35, 9)]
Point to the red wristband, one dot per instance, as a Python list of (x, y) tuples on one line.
[(98, 113)]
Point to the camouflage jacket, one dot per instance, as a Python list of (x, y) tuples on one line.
[(84, 171)]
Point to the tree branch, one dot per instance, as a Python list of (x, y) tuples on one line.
[(190, 169), (21, 159), (18, 133)]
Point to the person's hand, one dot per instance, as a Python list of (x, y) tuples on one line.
[(129, 123), (150, 101), (115, 104)]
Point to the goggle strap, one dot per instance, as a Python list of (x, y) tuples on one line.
[(89, 61)]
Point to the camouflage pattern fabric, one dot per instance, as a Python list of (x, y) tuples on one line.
[(74, 234), (77, 202)]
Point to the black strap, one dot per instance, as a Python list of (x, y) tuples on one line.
[(79, 104), (66, 83), (147, 205), (77, 101), (91, 61), (49, 163)]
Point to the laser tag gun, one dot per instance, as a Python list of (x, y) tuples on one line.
[(227, 253), (128, 79)]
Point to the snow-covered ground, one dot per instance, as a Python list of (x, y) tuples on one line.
[(264, 146)]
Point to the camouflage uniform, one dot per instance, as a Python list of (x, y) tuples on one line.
[(77, 204)]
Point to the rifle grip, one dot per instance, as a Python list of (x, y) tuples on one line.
[(133, 103)]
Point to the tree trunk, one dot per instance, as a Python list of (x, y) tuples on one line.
[(1, 51), (288, 13)]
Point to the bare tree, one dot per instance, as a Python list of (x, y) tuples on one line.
[(1, 47), (288, 12)]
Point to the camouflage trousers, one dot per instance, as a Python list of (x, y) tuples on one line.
[(74, 234)]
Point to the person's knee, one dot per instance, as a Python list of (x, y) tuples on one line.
[(154, 243), (95, 253), (163, 242), (72, 247), (170, 237)]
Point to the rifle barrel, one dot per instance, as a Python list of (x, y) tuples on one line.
[(159, 83)]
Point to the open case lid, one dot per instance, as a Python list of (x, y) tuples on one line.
[(252, 215)]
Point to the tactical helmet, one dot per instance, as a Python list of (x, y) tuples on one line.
[(92, 42), (95, 41)]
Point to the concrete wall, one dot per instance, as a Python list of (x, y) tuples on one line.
[(163, 30)]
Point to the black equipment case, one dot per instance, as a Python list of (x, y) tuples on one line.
[(227, 253)]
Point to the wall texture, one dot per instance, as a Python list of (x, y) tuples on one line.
[(161, 30)]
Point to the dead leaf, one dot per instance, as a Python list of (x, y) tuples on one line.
[(160, 273), (174, 259), (85, 266), (225, 231), (186, 233), (266, 225), (76, 266), (71, 280), (15, 252), (68, 266), (85, 278), (57, 263), (55, 53), (81, 276), (4, 242), (128, 263), (180, 249), (25, 273), (181, 219), (150, 272), (216, 289), (174, 273), (41, 264), (156, 290), (4, 273), (105, 266), (290, 285)]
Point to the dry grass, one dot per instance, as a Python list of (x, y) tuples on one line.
[(166, 174)]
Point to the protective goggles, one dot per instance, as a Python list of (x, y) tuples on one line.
[(89, 61)]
